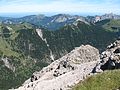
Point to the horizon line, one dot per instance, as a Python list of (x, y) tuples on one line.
[(23, 14)]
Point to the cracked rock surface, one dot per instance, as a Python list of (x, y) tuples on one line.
[(65, 72), (110, 58)]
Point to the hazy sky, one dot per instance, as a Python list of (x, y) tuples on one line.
[(60, 6)]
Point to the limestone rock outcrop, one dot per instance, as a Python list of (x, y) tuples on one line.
[(64, 72), (7, 63), (110, 59)]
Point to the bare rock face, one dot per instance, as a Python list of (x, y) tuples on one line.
[(110, 59), (64, 72), (8, 64)]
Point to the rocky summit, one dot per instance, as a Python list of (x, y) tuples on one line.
[(65, 72)]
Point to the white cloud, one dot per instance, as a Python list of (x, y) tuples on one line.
[(61, 7)]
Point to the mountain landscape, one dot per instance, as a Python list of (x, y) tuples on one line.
[(57, 21), (44, 48), (75, 67)]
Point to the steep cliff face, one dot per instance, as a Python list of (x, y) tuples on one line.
[(64, 72)]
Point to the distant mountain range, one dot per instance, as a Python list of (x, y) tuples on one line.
[(27, 44), (57, 21)]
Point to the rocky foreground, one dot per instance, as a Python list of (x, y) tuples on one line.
[(74, 67)]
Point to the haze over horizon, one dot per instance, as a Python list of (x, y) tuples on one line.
[(52, 7)]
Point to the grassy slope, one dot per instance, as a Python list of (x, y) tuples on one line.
[(24, 66), (107, 80), (107, 24)]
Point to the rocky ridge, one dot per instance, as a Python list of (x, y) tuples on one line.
[(64, 72), (74, 67), (57, 21), (110, 59)]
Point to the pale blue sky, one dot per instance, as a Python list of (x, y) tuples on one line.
[(60, 6)]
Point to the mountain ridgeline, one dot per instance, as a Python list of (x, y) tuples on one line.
[(26, 48), (50, 23), (57, 21)]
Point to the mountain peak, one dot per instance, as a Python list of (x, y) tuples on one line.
[(106, 16)]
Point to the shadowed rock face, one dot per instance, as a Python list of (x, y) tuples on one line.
[(110, 59), (64, 72)]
